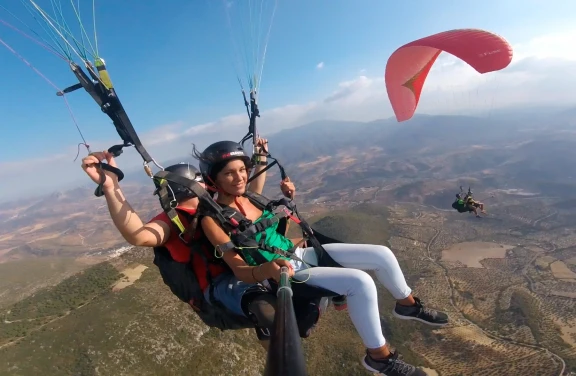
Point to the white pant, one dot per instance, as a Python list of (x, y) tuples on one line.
[(353, 282)]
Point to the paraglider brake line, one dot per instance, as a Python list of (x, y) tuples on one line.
[(82, 144), (254, 112)]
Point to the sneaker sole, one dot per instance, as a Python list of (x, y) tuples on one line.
[(401, 317), (374, 371)]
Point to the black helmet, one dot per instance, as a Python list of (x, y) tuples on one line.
[(185, 170), (215, 156)]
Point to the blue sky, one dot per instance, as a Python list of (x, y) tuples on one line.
[(169, 61)]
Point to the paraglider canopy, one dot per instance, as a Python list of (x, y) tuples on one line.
[(408, 67)]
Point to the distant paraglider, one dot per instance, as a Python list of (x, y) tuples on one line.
[(408, 67), (465, 203)]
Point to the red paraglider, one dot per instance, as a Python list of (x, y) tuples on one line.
[(408, 67)]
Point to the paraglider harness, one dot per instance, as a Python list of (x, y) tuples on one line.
[(307, 301), (463, 204)]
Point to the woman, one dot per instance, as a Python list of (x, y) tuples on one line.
[(225, 169)]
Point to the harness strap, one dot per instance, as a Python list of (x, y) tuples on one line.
[(105, 96), (257, 199), (223, 248), (241, 228), (207, 203), (288, 207), (164, 196), (268, 166)]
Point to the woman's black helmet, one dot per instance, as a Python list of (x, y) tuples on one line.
[(187, 171), (215, 157)]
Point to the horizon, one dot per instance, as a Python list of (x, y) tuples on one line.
[(335, 77), (135, 175)]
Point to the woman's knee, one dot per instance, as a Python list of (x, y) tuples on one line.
[(362, 283), (385, 253)]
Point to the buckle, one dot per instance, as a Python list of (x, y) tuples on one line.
[(181, 236)]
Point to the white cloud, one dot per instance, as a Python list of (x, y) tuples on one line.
[(162, 134), (320, 65), (543, 72), (556, 45)]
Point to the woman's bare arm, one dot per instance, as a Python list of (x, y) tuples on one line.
[(242, 271), (129, 224)]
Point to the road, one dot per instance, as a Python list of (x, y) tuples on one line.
[(542, 218)]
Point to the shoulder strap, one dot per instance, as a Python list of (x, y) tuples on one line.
[(257, 199), (206, 201), (168, 205)]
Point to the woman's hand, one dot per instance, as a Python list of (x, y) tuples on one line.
[(288, 188), (261, 145), (272, 269), (91, 166)]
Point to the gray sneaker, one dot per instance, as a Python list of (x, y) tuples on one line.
[(420, 313), (391, 366)]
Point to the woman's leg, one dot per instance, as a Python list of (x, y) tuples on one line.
[(361, 294), (229, 291), (240, 297), (377, 258), (360, 290), (383, 262), (372, 257)]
